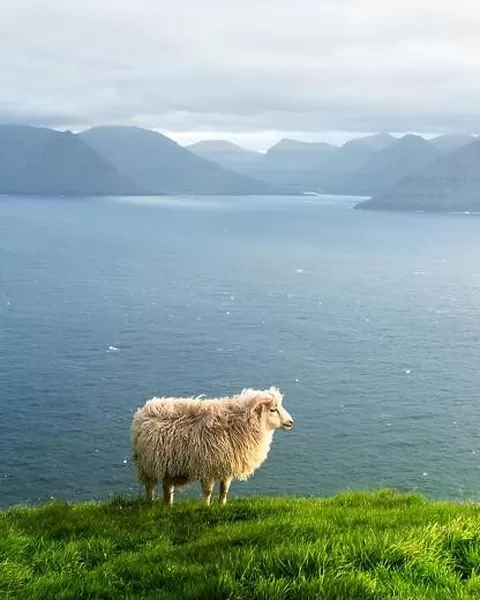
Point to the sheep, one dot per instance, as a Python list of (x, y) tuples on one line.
[(180, 440)]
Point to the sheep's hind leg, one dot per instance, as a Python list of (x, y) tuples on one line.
[(224, 487), (207, 489), (168, 490), (149, 491)]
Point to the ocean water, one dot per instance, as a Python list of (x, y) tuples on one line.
[(369, 323)]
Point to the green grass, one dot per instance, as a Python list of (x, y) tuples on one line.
[(367, 546)]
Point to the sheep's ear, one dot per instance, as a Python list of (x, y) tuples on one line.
[(277, 394), (259, 401)]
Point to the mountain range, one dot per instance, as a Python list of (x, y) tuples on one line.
[(406, 173), (110, 161), (363, 166), (46, 162), (451, 183), (160, 165)]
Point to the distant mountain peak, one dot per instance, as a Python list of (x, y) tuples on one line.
[(41, 161), (450, 142), (160, 164), (135, 132), (409, 140), (291, 145), (450, 183), (376, 141), (218, 146)]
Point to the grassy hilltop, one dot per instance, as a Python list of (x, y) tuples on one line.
[(357, 545)]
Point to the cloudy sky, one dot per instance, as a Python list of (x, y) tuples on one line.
[(251, 71)]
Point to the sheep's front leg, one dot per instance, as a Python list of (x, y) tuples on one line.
[(207, 489), (224, 487), (168, 490)]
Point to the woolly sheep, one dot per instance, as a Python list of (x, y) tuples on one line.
[(180, 440)]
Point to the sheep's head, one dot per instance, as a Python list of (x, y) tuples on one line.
[(268, 404)]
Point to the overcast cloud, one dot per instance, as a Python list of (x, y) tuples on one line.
[(244, 69)]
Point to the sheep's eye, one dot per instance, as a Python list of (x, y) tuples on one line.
[(274, 410)]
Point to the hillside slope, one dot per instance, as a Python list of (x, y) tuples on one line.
[(46, 162), (158, 163), (362, 166), (370, 546), (225, 153), (451, 183), (387, 166), (367, 165)]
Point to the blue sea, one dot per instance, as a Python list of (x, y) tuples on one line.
[(369, 322)]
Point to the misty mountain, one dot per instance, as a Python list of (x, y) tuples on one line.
[(46, 162), (361, 166), (299, 165), (377, 141), (451, 183), (289, 163), (288, 146), (294, 155), (224, 153), (365, 166), (159, 164), (449, 143), (387, 166)]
